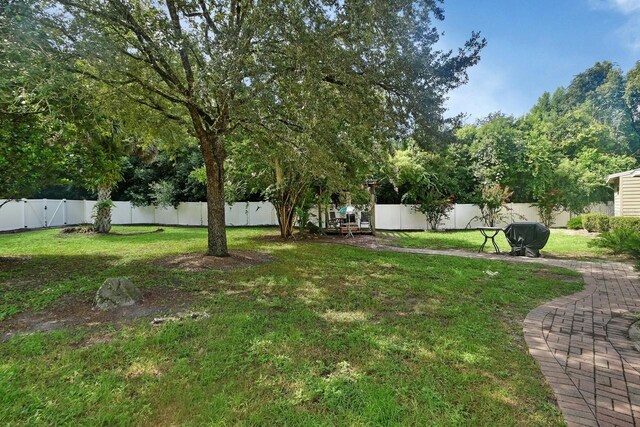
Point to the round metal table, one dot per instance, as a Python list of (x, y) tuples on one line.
[(486, 232)]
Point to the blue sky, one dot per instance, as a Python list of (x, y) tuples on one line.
[(536, 46)]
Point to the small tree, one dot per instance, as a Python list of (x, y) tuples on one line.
[(426, 181), (100, 170), (493, 203), (548, 204), (435, 207)]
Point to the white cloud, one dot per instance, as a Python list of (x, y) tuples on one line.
[(623, 6), (629, 32)]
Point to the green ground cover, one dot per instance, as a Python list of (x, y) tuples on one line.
[(561, 244), (325, 334)]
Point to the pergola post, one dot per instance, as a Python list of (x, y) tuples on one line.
[(371, 185)]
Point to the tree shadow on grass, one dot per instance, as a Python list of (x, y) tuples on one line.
[(444, 240), (36, 282), (169, 234)]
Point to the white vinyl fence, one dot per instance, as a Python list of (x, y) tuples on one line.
[(43, 213), (27, 213), (401, 217)]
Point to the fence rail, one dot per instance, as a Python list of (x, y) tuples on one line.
[(43, 213)]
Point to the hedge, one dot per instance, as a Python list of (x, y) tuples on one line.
[(617, 222), (595, 222), (575, 223)]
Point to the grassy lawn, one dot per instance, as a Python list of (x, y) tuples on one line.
[(323, 335), (562, 243)]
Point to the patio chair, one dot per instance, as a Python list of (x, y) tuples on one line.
[(364, 220), (333, 222)]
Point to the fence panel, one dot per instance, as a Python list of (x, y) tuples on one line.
[(412, 219), (32, 214), (121, 213), (75, 212), (388, 217), (166, 215), (605, 208), (204, 213), (143, 215), (56, 212), (189, 213), (261, 213), (236, 214), (89, 206), (11, 215), (466, 215)]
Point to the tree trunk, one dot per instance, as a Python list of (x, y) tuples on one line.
[(372, 209), (286, 214), (213, 153), (102, 221)]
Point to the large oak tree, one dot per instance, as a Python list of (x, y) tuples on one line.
[(213, 65)]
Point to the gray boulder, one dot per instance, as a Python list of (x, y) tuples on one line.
[(117, 292)]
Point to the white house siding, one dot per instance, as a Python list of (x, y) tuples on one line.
[(630, 196), (616, 202)]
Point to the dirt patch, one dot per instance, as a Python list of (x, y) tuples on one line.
[(76, 311), (88, 229), (199, 262), (11, 262), (135, 233), (82, 229)]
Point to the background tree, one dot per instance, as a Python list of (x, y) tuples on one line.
[(583, 178), (30, 157), (545, 181), (497, 152), (165, 178), (559, 154), (632, 96), (29, 160), (426, 182)]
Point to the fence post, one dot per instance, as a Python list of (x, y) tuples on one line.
[(24, 213), (64, 211), (44, 212), (455, 222)]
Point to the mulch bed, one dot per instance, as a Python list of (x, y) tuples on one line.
[(200, 262)]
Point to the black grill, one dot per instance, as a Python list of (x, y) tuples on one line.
[(527, 238)]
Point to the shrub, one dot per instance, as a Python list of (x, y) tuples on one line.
[(624, 222), (575, 223), (494, 198), (595, 222), (620, 241), (435, 208)]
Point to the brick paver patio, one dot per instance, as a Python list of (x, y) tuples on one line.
[(581, 343)]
